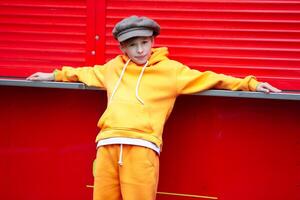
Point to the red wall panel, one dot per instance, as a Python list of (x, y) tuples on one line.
[(233, 37), (232, 148)]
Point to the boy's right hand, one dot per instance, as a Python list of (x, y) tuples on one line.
[(41, 76)]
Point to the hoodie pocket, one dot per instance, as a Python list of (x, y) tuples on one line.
[(125, 115)]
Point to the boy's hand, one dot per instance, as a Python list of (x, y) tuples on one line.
[(41, 76), (266, 88)]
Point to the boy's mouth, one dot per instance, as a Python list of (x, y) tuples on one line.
[(140, 57)]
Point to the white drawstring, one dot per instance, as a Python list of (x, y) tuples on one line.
[(138, 84), (117, 84), (120, 162)]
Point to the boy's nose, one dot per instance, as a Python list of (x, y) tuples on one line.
[(140, 49)]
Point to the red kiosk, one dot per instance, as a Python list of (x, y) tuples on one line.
[(247, 144)]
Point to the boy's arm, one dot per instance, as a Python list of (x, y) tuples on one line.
[(91, 76), (191, 81)]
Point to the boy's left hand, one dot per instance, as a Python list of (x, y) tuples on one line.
[(266, 88)]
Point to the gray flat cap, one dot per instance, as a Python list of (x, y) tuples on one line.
[(135, 26)]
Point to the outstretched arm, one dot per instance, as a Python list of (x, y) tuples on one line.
[(91, 76), (191, 81)]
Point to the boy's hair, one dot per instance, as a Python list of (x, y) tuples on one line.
[(135, 26)]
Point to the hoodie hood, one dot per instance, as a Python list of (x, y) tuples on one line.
[(158, 54)]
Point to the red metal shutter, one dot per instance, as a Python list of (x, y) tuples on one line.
[(40, 35), (235, 37)]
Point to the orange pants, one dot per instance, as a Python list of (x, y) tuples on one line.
[(135, 179)]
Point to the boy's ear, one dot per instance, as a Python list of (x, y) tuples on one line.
[(121, 46)]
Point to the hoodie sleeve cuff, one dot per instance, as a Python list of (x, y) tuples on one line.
[(253, 83), (58, 76)]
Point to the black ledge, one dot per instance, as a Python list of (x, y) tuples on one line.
[(285, 95)]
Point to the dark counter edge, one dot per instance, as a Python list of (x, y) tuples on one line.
[(220, 93)]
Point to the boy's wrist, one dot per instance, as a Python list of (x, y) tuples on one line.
[(52, 77), (253, 84)]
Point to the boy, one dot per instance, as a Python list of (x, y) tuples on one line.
[(142, 85)]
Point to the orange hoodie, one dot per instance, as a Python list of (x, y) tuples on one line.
[(140, 99)]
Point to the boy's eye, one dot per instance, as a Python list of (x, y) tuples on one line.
[(130, 45)]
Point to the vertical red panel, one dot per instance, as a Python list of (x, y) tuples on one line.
[(100, 31), (42, 35), (90, 32)]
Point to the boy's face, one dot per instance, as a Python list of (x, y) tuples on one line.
[(138, 49)]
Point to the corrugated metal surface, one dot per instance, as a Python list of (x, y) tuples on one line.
[(235, 37), (40, 35)]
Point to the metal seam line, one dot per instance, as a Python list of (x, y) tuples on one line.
[(187, 195), (177, 194)]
